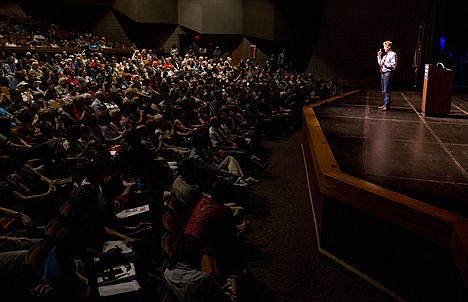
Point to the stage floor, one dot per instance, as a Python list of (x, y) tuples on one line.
[(423, 157)]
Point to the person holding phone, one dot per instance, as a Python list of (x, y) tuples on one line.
[(387, 63)]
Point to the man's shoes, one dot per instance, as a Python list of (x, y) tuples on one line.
[(381, 107), (385, 108)]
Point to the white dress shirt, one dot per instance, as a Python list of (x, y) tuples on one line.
[(388, 62)]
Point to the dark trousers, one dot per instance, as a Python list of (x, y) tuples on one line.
[(386, 83)]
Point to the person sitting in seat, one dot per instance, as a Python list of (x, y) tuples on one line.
[(60, 270), (214, 225), (185, 279), (14, 191), (109, 131), (186, 189), (212, 164), (17, 239)]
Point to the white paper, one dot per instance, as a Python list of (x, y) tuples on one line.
[(119, 272), (117, 243), (132, 212), (119, 288)]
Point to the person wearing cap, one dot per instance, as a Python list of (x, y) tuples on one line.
[(26, 94)]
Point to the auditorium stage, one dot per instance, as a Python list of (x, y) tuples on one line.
[(423, 157)]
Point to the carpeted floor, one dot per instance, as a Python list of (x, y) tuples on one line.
[(283, 255)]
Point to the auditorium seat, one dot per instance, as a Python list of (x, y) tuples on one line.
[(209, 265), (51, 228), (172, 203), (65, 209), (168, 243), (170, 223), (36, 257)]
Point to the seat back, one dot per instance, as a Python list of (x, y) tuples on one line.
[(171, 202), (65, 209), (52, 227), (168, 243), (209, 264), (169, 297), (171, 224), (35, 258)]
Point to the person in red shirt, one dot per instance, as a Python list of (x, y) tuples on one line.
[(217, 230), (212, 222)]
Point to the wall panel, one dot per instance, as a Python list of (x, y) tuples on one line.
[(149, 11), (190, 14), (222, 17), (259, 18)]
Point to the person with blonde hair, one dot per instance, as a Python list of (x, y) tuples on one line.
[(388, 64)]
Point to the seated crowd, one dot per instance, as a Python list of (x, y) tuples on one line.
[(85, 136), (26, 32)]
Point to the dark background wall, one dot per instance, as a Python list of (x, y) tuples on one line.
[(351, 32)]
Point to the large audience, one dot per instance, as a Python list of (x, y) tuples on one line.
[(84, 136), (27, 32)]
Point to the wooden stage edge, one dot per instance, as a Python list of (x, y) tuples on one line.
[(324, 177)]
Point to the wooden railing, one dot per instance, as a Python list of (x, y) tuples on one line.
[(327, 182)]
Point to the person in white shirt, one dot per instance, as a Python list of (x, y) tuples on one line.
[(388, 64)]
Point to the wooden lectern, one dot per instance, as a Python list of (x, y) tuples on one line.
[(437, 90)]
